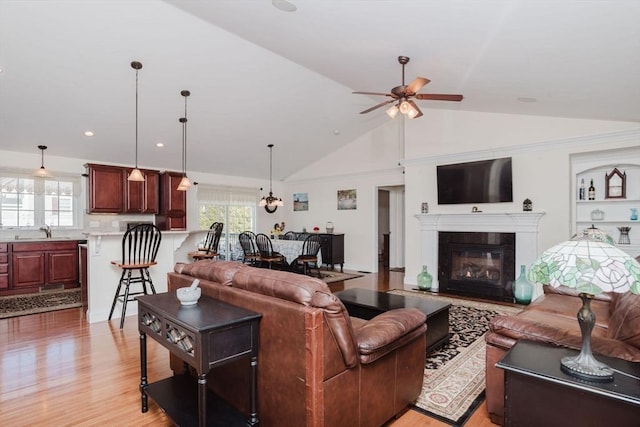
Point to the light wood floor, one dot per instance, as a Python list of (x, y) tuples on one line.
[(58, 370)]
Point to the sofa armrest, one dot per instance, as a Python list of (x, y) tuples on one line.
[(514, 328), (389, 331)]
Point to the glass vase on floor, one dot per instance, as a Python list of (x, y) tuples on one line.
[(424, 279), (523, 288)]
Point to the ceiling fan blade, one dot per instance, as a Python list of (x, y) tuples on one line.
[(416, 85), (371, 93), (377, 106), (439, 97)]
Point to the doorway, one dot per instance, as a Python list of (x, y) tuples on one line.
[(391, 227)]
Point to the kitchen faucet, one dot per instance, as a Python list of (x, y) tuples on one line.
[(47, 230)]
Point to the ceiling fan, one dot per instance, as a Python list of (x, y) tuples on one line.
[(404, 95)]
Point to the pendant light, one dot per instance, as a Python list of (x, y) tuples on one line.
[(270, 203), (136, 174), (185, 183), (42, 172)]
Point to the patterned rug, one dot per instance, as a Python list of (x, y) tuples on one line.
[(330, 276), (20, 305), (454, 375)]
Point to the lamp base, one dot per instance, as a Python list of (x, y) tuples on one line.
[(586, 367)]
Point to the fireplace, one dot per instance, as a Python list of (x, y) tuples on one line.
[(523, 224), (477, 264)]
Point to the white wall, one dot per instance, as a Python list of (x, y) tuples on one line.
[(540, 147)]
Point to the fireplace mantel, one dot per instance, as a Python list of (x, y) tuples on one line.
[(523, 224)]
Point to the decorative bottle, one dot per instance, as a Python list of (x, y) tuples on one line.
[(523, 288), (424, 279), (581, 192), (634, 214), (592, 191)]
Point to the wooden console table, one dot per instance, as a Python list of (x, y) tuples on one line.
[(204, 335), (538, 393)]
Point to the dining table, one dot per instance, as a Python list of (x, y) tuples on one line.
[(291, 249)]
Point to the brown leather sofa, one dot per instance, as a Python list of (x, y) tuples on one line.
[(316, 365), (552, 319)]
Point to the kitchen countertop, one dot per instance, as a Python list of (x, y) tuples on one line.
[(41, 239)]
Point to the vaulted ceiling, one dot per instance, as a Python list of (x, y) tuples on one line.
[(259, 76)]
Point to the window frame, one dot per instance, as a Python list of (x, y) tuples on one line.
[(39, 201)]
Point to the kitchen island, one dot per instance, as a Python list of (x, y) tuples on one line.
[(103, 277)]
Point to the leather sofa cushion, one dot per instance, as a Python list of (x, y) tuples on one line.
[(280, 284), (625, 319), (212, 270), (561, 305)]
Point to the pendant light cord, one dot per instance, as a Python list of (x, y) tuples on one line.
[(137, 118)]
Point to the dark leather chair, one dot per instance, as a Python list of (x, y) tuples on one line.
[(309, 255), (267, 254), (139, 250), (209, 249), (250, 254)]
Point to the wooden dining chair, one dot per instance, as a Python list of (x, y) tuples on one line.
[(250, 254), (209, 249), (309, 254), (267, 254), (290, 235)]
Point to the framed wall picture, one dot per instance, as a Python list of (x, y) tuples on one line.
[(347, 200), (300, 202), (615, 185)]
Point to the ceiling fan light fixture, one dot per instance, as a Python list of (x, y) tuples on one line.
[(404, 107), (413, 111), (393, 111)]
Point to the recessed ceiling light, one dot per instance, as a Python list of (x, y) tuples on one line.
[(159, 144), (88, 133), (336, 131), (284, 5), (526, 99)]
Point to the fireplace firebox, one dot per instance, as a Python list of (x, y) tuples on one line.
[(477, 264)]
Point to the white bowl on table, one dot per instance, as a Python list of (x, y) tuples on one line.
[(188, 296)]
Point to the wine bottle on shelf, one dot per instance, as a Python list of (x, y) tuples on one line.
[(582, 190), (592, 191)]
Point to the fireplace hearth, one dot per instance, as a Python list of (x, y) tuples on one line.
[(477, 264)]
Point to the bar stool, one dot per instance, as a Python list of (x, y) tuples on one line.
[(139, 250), (210, 248)]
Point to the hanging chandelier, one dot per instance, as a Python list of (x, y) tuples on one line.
[(185, 183), (270, 203), (42, 172), (136, 174)]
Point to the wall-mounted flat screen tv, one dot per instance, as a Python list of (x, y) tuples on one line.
[(485, 181)]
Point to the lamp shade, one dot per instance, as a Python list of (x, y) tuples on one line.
[(595, 233), (588, 265)]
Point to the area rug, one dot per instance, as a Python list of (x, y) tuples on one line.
[(454, 375), (20, 305), (330, 276)]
